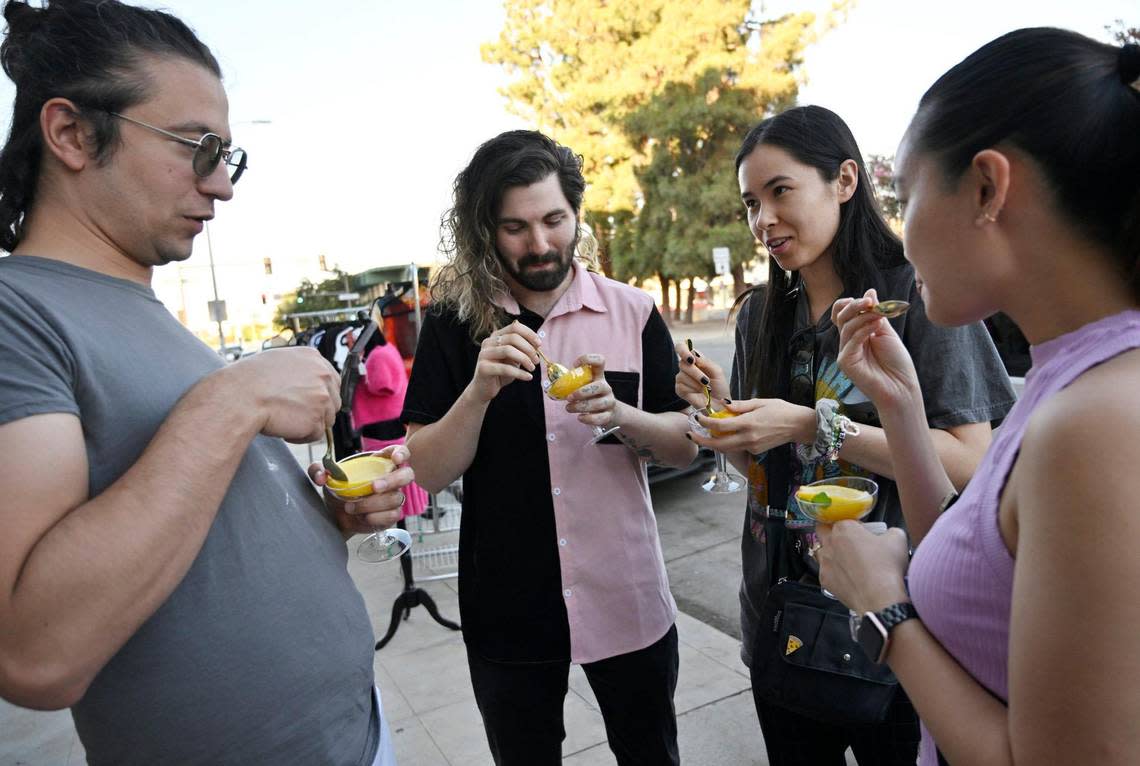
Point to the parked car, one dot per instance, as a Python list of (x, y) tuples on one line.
[(704, 461)]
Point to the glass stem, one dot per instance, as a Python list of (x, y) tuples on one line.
[(721, 464)]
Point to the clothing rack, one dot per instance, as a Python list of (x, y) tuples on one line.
[(345, 440), (441, 516), (435, 563), (295, 318)]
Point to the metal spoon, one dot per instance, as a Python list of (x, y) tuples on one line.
[(329, 462), (554, 370), (889, 309), (708, 391)]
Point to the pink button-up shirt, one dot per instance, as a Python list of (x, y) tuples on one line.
[(613, 573)]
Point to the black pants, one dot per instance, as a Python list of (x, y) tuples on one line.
[(521, 705), (796, 740)]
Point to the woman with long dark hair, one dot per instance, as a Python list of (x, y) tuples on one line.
[(1016, 636), (798, 418)]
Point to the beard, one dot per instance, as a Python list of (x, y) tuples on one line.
[(545, 280)]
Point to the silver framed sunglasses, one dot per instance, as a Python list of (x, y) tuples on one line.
[(209, 150)]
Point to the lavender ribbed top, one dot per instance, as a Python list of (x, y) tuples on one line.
[(961, 577)]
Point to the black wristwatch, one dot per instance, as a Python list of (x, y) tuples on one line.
[(873, 632)]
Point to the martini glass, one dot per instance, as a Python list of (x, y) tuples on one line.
[(361, 470), (723, 481), (562, 381), (840, 498)]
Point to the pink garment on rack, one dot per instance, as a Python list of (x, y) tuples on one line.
[(379, 396)]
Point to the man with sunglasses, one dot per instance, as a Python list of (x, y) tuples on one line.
[(167, 571)]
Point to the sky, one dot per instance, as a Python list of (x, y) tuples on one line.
[(373, 106)]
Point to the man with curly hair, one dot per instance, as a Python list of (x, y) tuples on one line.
[(559, 559)]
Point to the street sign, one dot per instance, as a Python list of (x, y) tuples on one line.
[(347, 296), (217, 311), (722, 262)]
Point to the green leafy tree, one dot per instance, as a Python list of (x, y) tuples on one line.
[(881, 169), (1123, 33), (582, 70), (311, 296), (691, 202)]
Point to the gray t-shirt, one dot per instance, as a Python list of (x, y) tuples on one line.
[(962, 380), (264, 651)]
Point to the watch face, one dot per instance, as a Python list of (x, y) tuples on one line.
[(872, 638)]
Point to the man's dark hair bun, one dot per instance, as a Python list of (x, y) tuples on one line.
[(22, 20), (20, 16), (1129, 63)]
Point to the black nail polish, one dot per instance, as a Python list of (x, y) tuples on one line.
[(698, 353), (690, 438), (689, 360), (728, 401), (704, 381)]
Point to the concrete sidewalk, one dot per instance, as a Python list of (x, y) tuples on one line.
[(422, 674)]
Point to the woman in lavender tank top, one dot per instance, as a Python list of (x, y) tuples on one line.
[(1020, 178)]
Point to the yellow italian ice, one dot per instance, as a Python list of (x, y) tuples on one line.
[(570, 382), (361, 470), (844, 502)]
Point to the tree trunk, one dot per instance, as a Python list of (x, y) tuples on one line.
[(605, 237), (738, 285), (604, 234), (664, 281), (692, 297), (676, 300)]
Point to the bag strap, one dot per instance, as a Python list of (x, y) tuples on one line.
[(779, 549), (779, 470), (778, 463)]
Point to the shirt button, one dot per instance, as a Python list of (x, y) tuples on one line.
[(566, 593), (557, 491), (562, 542), (542, 333), (550, 437)]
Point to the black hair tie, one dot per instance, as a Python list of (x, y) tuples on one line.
[(1129, 63)]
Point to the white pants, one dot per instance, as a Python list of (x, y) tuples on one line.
[(385, 755)]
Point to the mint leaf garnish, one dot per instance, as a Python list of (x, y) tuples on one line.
[(821, 498)]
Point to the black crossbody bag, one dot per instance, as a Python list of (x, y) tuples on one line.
[(804, 658)]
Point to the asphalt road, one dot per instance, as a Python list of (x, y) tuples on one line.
[(700, 533)]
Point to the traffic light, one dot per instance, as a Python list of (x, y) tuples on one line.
[(268, 263)]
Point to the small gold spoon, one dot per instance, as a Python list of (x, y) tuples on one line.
[(708, 391), (888, 309), (329, 462), (554, 370)]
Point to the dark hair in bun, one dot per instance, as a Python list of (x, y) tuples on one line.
[(87, 51), (1129, 62), (1057, 97)]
